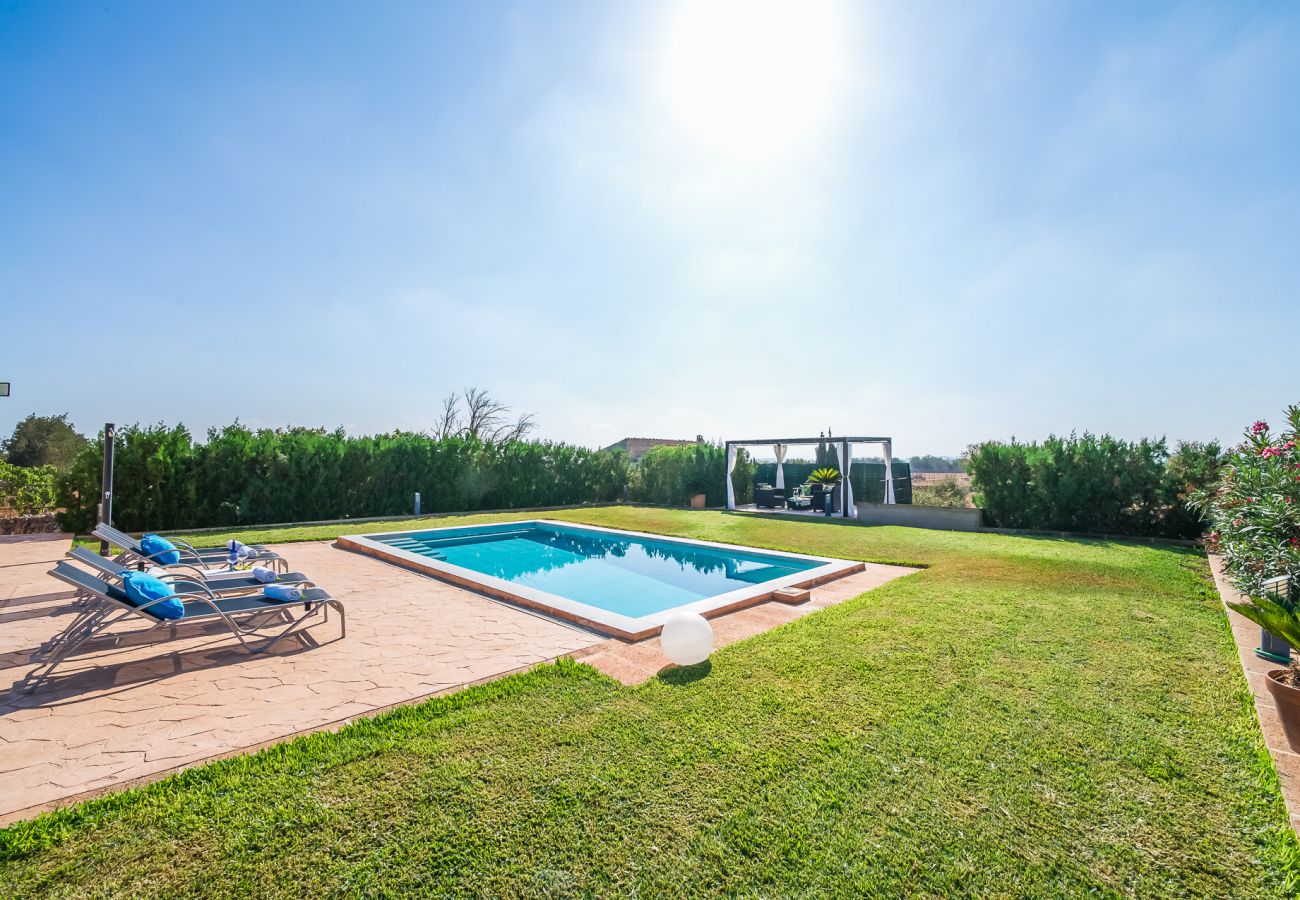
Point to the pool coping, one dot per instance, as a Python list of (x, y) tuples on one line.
[(592, 617)]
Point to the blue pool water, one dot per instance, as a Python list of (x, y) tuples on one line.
[(629, 575)]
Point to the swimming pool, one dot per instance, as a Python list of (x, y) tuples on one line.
[(620, 582)]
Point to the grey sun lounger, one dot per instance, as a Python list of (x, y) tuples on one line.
[(230, 581), (214, 557), (239, 613)]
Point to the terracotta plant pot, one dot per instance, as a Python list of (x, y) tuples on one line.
[(697, 501), (1287, 700)]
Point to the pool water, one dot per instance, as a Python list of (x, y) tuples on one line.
[(629, 575)]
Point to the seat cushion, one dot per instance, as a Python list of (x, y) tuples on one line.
[(142, 588), (160, 550)]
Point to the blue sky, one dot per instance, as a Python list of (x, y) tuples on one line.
[(945, 222)]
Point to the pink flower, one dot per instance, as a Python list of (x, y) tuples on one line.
[(1259, 427), (1289, 445), (1295, 542), (1270, 452)]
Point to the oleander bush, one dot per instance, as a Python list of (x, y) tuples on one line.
[(165, 479), (1254, 507), (1093, 484)]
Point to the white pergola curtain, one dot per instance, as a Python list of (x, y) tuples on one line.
[(731, 465), (889, 474), (841, 452), (779, 450)]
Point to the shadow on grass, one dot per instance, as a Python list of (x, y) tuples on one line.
[(1058, 537), (678, 675)]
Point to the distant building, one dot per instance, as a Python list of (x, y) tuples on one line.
[(638, 447)]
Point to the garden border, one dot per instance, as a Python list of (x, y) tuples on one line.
[(1286, 762)]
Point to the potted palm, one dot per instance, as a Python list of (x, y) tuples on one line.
[(1275, 612)]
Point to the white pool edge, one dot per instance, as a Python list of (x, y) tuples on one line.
[(602, 620)]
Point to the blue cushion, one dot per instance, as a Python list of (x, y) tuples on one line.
[(141, 587), (160, 550)]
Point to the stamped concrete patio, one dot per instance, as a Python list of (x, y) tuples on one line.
[(132, 710)]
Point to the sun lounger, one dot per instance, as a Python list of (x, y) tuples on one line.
[(246, 615), (209, 558), (219, 580)]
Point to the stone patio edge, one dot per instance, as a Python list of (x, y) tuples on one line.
[(1246, 635)]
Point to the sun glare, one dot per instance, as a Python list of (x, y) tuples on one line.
[(753, 78)]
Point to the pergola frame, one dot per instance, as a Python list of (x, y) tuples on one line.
[(844, 444)]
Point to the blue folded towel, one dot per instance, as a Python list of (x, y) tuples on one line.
[(141, 588), (283, 592), (264, 575), (160, 550)]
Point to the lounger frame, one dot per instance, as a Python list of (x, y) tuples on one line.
[(190, 555), (103, 610)]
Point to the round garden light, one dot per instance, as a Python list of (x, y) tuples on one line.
[(687, 638)]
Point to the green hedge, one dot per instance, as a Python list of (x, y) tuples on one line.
[(673, 474), (164, 479), (27, 490), (868, 478), (1098, 485)]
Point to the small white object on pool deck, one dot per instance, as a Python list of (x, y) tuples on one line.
[(687, 638)]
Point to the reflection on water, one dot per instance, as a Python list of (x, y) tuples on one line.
[(625, 574)]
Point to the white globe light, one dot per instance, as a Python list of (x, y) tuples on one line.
[(687, 638)]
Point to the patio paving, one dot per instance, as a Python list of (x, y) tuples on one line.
[(129, 713), (1246, 634), (131, 710)]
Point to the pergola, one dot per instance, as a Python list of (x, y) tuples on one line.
[(843, 449)]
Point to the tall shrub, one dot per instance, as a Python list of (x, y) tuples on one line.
[(1100, 485), (673, 474), (43, 441), (164, 479), (1254, 508)]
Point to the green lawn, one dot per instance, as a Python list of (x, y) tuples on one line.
[(1025, 717)]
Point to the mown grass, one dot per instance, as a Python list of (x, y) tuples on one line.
[(1026, 717)]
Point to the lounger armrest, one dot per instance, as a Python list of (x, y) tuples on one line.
[(257, 551), (184, 545), (177, 569), (187, 551)]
